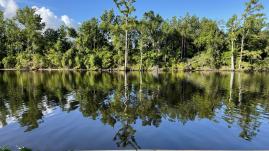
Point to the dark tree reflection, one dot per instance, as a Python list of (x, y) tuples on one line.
[(124, 99)]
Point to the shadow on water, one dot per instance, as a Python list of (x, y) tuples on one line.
[(119, 98)]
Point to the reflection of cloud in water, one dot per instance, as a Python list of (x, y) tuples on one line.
[(46, 110), (161, 98)]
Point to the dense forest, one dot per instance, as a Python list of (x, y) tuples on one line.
[(124, 42)]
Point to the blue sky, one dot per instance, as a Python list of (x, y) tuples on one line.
[(80, 10), (72, 12)]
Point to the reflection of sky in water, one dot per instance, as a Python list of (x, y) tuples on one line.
[(65, 131), (192, 111)]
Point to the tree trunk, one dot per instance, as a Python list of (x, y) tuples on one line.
[(141, 82), (240, 89), (182, 47), (232, 57), (141, 57), (126, 97), (159, 51), (241, 51), (184, 54), (126, 45), (231, 86), (94, 44), (140, 88)]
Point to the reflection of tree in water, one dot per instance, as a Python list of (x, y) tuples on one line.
[(126, 134), (126, 137), (116, 98), (242, 109)]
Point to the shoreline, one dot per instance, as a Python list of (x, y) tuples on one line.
[(135, 70)]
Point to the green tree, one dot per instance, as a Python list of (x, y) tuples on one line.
[(233, 26), (142, 40), (212, 39), (126, 8), (32, 27), (90, 37), (14, 43), (114, 35), (50, 37), (2, 37), (154, 35), (252, 20), (188, 27)]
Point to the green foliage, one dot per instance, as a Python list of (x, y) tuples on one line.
[(212, 39), (92, 62), (9, 62), (38, 61), (2, 37), (201, 61), (150, 42), (23, 60), (15, 41), (90, 36), (2, 30), (68, 60), (106, 59), (226, 58), (32, 26), (54, 59)]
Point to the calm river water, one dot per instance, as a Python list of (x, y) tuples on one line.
[(90, 110)]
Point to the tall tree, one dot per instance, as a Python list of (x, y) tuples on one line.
[(51, 37), (212, 39), (154, 34), (142, 40), (32, 27), (90, 37), (2, 37), (251, 17), (15, 41), (108, 21), (126, 8), (233, 26), (188, 28)]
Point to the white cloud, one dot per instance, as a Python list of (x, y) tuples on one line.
[(67, 21), (53, 21), (9, 7), (48, 17)]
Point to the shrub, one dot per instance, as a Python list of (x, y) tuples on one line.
[(106, 59), (23, 60), (38, 61), (9, 62), (90, 61), (54, 59)]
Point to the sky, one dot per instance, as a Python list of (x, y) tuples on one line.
[(74, 12)]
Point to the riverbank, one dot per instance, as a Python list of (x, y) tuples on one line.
[(144, 70)]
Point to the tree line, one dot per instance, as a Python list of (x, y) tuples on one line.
[(124, 42)]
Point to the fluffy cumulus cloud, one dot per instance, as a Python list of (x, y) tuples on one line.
[(68, 21), (9, 7), (48, 17), (53, 21)]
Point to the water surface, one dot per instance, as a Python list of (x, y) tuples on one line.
[(89, 110)]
